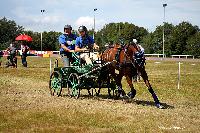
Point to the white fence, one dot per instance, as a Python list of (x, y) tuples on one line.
[(180, 56), (154, 55), (173, 56)]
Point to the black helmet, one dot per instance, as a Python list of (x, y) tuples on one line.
[(82, 28), (68, 27)]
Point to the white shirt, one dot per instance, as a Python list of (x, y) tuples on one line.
[(141, 48)]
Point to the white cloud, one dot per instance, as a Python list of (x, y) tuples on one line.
[(89, 22), (86, 21), (36, 22), (80, 12), (39, 18)]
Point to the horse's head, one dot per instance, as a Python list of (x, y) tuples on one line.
[(133, 51), (131, 48)]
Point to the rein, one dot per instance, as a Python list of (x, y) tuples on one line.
[(137, 58)]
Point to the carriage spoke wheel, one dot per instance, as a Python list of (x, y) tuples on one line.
[(74, 85), (55, 84)]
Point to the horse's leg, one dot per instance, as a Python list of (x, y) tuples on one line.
[(121, 92), (99, 82), (89, 92), (138, 76), (118, 78), (109, 85), (104, 74), (145, 78), (128, 76)]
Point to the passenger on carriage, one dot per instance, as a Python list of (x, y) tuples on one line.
[(140, 47), (67, 45), (84, 43)]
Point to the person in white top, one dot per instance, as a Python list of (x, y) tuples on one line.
[(141, 52), (141, 48), (24, 49)]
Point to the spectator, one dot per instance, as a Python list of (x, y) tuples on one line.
[(12, 59), (141, 48), (24, 49)]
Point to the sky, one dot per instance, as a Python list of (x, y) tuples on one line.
[(143, 13)]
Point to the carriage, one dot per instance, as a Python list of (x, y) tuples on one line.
[(80, 76), (99, 75)]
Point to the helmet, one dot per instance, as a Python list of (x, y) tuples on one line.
[(82, 28), (68, 27), (135, 41)]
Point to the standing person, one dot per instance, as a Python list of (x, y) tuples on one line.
[(12, 59), (84, 42), (140, 54), (141, 48), (24, 49), (67, 46)]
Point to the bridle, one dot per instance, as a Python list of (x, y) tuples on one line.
[(137, 57)]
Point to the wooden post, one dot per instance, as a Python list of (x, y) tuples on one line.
[(179, 74), (50, 66)]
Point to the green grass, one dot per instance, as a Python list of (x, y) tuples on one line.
[(27, 106)]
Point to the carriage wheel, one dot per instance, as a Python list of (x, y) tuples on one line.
[(73, 84), (55, 84)]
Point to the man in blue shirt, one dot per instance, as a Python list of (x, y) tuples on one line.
[(67, 44), (83, 43)]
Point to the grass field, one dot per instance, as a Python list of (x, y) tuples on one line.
[(27, 106)]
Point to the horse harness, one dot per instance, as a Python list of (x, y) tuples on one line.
[(137, 59)]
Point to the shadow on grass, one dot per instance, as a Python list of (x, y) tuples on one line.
[(37, 67), (103, 97), (138, 102), (149, 103)]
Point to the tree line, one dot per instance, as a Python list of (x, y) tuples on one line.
[(183, 38)]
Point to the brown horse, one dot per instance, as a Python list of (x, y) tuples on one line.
[(128, 60)]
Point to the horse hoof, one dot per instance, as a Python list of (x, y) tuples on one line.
[(159, 106), (121, 94), (132, 94)]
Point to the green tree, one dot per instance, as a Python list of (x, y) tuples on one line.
[(50, 41), (153, 42), (193, 45), (180, 36), (8, 32), (120, 31)]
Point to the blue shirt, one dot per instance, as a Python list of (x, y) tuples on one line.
[(82, 42), (67, 41)]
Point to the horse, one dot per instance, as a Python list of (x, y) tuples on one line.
[(129, 62)]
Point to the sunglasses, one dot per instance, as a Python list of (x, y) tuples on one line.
[(81, 31)]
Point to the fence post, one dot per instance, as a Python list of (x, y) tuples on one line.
[(179, 74), (50, 66)]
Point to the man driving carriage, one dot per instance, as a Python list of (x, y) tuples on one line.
[(67, 45), (85, 43)]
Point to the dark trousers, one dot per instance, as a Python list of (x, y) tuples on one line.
[(66, 58), (24, 62), (12, 60)]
